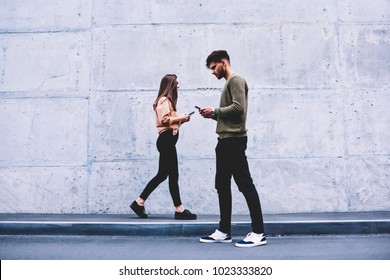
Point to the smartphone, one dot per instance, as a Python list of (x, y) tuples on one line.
[(191, 113), (197, 107)]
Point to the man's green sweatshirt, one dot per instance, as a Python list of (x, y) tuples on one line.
[(233, 106)]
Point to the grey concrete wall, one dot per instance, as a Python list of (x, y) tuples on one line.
[(77, 80)]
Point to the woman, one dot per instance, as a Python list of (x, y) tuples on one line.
[(168, 123)]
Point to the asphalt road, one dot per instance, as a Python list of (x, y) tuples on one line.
[(343, 247)]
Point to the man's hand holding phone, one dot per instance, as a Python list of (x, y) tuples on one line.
[(206, 112)]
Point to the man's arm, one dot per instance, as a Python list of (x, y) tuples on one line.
[(236, 88)]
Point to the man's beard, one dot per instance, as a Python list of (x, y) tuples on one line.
[(221, 75)]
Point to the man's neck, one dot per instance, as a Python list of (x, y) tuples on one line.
[(229, 72)]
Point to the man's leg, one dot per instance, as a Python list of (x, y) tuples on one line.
[(223, 186), (243, 179)]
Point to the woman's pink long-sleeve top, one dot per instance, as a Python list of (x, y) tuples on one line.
[(165, 115)]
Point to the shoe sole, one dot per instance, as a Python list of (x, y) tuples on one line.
[(250, 245), (185, 218), (215, 241)]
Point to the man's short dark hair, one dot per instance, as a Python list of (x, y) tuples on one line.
[(217, 56)]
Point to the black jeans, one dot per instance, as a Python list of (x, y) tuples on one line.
[(168, 167), (232, 161)]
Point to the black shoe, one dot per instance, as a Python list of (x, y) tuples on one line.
[(185, 215), (139, 210)]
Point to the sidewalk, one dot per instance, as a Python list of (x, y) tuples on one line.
[(165, 225)]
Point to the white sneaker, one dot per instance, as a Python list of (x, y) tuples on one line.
[(252, 240), (217, 237)]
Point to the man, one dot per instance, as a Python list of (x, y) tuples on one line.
[(230, 153)]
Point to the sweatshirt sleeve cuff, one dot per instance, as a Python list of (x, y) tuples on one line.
[(215, 113)]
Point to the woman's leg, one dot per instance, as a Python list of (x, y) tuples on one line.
[(173, 170), (162, 174)]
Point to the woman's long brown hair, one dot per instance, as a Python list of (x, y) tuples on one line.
[(168, 88)]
